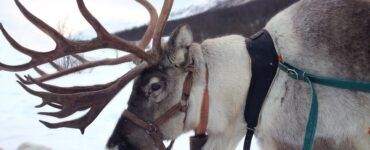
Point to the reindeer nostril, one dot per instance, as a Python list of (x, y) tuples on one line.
[(155, 86)]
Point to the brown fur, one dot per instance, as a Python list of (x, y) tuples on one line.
[(340, 33), (332, 39), (320, 144)]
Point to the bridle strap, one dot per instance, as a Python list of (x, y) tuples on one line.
[(200, 138), (188, 83), (153, 128), (179, 107), (203, 123), (136, 120)]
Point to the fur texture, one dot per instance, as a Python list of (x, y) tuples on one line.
[(226, 126), (328, 38)]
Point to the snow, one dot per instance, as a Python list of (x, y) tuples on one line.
[(18, 117), (204, 5)]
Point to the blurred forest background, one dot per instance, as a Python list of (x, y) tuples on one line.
[(244, 17)]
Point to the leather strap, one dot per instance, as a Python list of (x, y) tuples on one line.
[(179, 107), (203, 123), (188, 83), (152, 129), (197, 141), (200, 138), (264, 61)]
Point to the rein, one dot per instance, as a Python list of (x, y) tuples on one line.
[(301, 75), (152, 128)]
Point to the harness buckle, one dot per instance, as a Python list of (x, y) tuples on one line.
[(251, 129), (184, 96), (152, 128), (293, 73), (184, 105)]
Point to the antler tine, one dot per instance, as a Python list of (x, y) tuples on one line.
[(157, 38), (145, 40), (39, 71), (56, 66), (80, 123), (66, 47), (63, 90), (18, 46), (111, 40), (99, 29), (18, 67), (63, 47), (88, 64), (79, 58), (55, 35), (50, 104), (103, 33), (95, 100), (70, 100)]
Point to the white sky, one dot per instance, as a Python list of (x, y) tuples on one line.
[(115, 15)]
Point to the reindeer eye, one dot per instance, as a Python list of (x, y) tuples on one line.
[(155, 86)]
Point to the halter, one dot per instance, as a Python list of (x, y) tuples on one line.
[(152, 128)]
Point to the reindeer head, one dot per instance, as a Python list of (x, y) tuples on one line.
[(156, 90), (160, 75)]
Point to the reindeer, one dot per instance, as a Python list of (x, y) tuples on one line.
[(181, 85)]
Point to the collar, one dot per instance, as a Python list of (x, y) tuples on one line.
[(264, 63)]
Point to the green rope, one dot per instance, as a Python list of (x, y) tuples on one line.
[(298, 74)]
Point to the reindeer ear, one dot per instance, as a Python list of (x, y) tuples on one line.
[(178, 45), (181, 36)]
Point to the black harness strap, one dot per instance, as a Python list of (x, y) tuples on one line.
[(264, 65)]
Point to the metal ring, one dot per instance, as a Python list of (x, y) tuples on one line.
[(293, 73), (304, 74), (152, 128), (184, 105), (251, 129)]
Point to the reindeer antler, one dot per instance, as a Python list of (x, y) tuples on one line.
[(72, 99)]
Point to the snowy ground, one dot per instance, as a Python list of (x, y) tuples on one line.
[(18, 117)]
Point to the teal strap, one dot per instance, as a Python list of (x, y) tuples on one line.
[(309, 136), (298, 74)]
